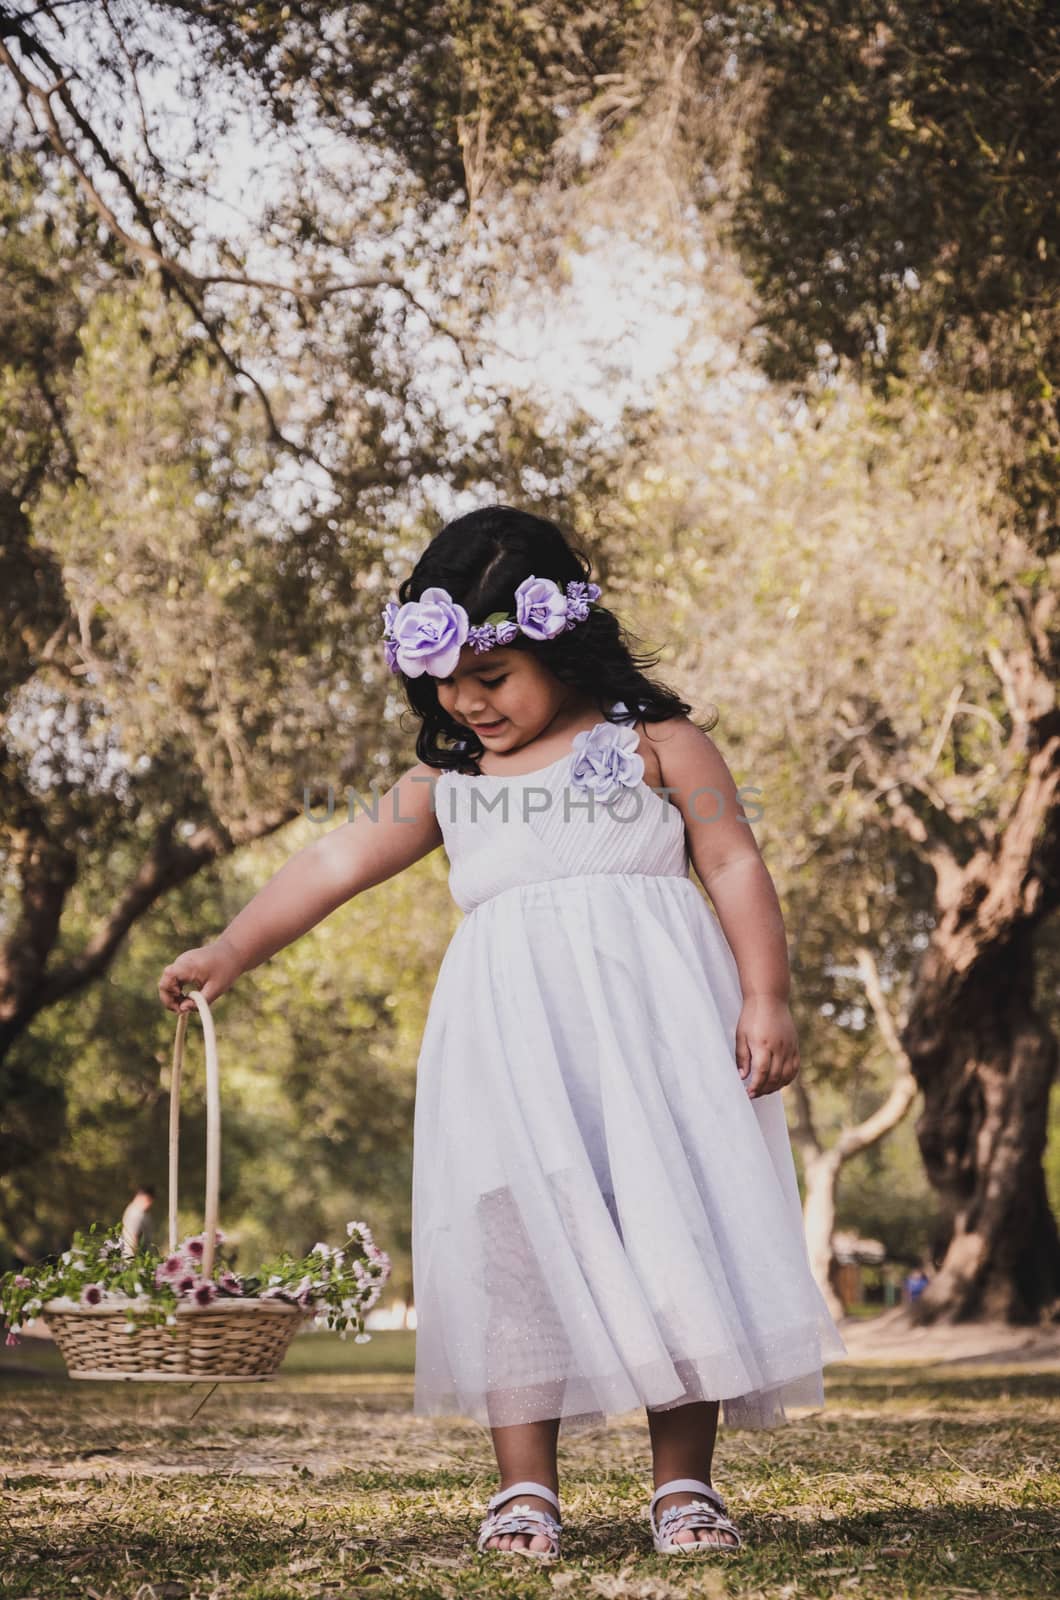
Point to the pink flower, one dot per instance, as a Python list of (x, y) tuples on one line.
[(173, 1266), (92, 1294), (186, 1284), (195, 1247), (12, 1338), (230, 1283), (204, 1293), (21, 1281)]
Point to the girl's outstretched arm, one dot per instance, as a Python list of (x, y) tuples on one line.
[(374, 845), (728, 863)]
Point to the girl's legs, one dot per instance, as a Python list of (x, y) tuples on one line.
[(682, 1446), (527, 1450)]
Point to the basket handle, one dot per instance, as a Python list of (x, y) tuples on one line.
[(213, 1129)]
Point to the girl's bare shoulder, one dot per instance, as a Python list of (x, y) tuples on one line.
[(678, 754)]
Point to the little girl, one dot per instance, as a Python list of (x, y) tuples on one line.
[(605, 1210)]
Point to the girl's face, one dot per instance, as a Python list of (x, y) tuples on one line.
[(507, 696)]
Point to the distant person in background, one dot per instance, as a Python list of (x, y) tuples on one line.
[(135, 1222), (915, 1284)]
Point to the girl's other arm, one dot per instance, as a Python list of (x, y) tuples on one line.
[(374, 845), (728, 863)]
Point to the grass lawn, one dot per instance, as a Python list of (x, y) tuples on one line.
[(922, 1480)]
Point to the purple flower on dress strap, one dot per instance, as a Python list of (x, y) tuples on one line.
[(606, 758), (540, 608), (429, 633)]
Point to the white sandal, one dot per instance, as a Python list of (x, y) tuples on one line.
[(520, 1519), (708, 1513)]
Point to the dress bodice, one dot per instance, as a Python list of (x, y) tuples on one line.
[(588, 812)]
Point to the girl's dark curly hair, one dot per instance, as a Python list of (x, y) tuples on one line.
[(481, 559)]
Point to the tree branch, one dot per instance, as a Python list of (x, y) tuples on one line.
[(27, 990), (904, 1088), (189, 286)]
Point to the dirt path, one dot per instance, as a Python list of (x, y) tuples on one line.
[(893, 1337)]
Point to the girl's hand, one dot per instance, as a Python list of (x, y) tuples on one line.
[(214, 968), (767, 1046)]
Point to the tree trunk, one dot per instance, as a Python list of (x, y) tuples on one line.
[(986, 1076), (820, 1174), (820, 1166)]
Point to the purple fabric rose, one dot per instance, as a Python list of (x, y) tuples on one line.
[(540, 608), (429, 633), (606, 759)]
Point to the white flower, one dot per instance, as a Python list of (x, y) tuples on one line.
[(130, 1327), (362, 1338), (171, 1320), (137, 1288), (321, 1249), (66, 1257), (276, 1278)]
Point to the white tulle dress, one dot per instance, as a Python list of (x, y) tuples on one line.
[(602, 1218)]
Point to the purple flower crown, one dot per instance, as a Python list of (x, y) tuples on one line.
[(427, 635)]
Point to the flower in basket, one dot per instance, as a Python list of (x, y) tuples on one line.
[(337, 1285)]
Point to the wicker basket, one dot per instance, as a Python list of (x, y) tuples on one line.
[(229, 1341)]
